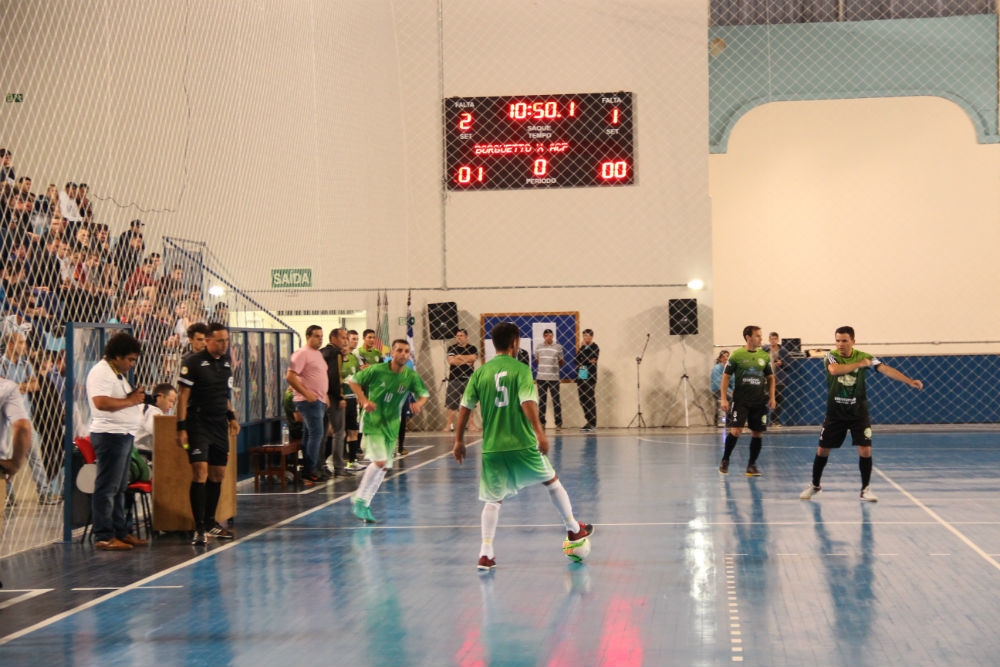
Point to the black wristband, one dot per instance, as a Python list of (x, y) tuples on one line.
[(182, 424), (230, 416)]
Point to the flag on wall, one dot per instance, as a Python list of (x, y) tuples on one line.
[(409, 327)]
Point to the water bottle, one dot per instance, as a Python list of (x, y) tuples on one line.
[(284, 433)]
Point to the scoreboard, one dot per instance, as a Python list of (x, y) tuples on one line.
[(539, 141)]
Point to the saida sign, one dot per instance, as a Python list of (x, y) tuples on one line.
[(291, 278)]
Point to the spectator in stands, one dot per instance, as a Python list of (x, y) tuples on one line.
[(81, 240), (83, 204), (17, 321), (220, 314), (45, 265), (67, 205), (41, 214), (181, 321), (15, 269), (157, 260), (16, 417), (102, 241), (6, 166), (141, 279), (16, 367), (50, 421), (128, 253), (115, 415)]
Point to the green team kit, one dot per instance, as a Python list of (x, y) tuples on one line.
[(749, 371), (499, 387), (846, 397), (387, 390)]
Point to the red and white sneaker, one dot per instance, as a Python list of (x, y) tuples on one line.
[(486, 564), (586, 530)]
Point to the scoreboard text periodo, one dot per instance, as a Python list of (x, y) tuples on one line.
[(539, 141)]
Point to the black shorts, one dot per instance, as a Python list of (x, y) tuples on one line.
[(209, 443), (351, 414), (754, 416), (835, 432), (453, 398)]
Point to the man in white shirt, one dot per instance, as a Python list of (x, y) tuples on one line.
[(115, 415), (549, 360)]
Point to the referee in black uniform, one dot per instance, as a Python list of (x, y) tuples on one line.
[(205, 422)]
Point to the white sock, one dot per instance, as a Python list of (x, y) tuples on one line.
[(561, 500), (490, 518), (370, 482)]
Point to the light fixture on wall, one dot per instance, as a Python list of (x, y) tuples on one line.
[(216, 291), (696, 284)]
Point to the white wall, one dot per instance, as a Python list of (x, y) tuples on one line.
[(878, 213)]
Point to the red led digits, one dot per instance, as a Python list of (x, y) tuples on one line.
[(465, 121), (613, 170), (540, 167), (542, 110), (616, 116), (467, 175)]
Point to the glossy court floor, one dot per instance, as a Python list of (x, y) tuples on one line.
[(688, 567)]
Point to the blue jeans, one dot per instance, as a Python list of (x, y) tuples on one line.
[(108, 502), (312, 433)]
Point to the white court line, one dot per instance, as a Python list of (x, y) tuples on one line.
[(26, 594), (115, 588), (934, 515), (208, 554)]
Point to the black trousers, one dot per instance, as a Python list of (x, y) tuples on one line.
[(588, 402), (549, 387)]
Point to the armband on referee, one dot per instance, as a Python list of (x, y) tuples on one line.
[(230, 416), (182, 424)]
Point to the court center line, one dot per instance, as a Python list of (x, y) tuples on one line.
[(934, 515), (26, 594), (208, 554)]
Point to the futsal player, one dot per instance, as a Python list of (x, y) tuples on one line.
[(847, 409), (751, 368), (381, 389), (514, 442)]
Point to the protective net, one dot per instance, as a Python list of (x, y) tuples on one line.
[(419, 167)]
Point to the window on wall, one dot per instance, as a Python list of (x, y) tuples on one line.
[(770, 12)]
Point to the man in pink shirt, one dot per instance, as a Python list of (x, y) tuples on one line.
[(308, 379)]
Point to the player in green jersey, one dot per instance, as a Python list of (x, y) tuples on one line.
[(753, 396), (847, 409), (514, 442), (381, 389)]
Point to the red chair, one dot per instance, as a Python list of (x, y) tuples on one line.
[(139, 493), (86, 477)]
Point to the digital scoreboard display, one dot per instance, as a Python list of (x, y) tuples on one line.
[(539, 141)]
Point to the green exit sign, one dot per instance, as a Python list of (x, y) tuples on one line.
[(17, 98), (291, 278)]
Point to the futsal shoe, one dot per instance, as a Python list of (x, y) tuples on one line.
[(724, 466), (868, 496), (810, 492), (586, 530), (486, 564), (199, 538), (362, 511), (752, 470), (220, 533)]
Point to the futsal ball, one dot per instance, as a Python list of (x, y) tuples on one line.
[(577, 550)]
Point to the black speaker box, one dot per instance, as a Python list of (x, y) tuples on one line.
[(683, 317), (443, 319)]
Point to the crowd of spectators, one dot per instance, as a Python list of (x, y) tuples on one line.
[(61, 264)]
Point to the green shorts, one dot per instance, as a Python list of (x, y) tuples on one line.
[(377, 449), (505, 473)]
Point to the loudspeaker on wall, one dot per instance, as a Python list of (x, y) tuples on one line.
[(443, 319), (683, 317)]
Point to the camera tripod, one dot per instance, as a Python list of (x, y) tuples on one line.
[(683, 390), (638, 418)]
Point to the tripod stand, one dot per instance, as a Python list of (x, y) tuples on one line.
[(683, 387), (638, 419)]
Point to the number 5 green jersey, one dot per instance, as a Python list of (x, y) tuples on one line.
[(499, 387)]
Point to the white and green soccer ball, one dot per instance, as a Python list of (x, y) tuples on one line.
[(577, 550)]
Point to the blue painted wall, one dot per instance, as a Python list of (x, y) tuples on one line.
[(953, 391), (954, 58)]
